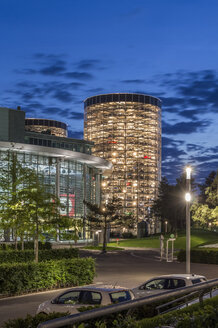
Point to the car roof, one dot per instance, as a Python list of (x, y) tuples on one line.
[(182, 276), (102, 288)]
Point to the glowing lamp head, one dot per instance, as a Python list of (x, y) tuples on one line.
[(188, 172), (188, 197)]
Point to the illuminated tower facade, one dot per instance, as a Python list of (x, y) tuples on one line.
[(46, 126), (126, 130)]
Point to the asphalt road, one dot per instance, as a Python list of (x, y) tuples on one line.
[(128, 269)]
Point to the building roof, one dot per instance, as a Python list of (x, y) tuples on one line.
[(94, 161)]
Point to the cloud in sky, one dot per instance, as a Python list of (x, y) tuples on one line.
[(137, 81), (185, 127), (89, 64), (51, 88), (75, 134), (78, 75)]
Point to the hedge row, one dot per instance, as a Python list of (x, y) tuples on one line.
[(208, 256), (27, 245), (194, 316), (21, 278), (31, 321), (44, 255)]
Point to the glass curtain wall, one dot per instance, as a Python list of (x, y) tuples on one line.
[(74, 186), (126, 130)]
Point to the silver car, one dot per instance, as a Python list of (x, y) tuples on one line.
[(167, 282), (75, 298)]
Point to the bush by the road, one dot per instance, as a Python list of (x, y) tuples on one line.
[(208, 256), (27, 245), (194, 316), (31, 321), (18, 278), (44, 255)]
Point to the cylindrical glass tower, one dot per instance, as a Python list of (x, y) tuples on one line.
[(46, 126), (126, 130)]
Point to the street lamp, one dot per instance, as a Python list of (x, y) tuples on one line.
[(188, 199), (166, 226)]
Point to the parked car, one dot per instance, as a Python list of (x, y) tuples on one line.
[(167, 282), (75, 298)]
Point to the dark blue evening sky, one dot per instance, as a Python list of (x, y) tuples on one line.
[(56, 53)]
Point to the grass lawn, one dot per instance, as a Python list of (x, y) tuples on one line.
[(198, 237)]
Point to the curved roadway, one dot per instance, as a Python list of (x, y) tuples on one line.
[(127, 268)]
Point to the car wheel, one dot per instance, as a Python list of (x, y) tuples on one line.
[(43, 313)]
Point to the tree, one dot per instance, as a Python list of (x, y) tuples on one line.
[(75, 226), (110, 214), (208, 181), (27, 206), (161, 206), (170, 204), (42, 209), (12, 176), (211, 193), (205, 212)]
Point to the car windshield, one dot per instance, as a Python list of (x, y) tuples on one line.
[(71, 297), (122, 296), (165, 284)]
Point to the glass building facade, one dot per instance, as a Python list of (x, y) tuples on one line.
[(126, 130), (66, 165), (45, 126), (72, 180)]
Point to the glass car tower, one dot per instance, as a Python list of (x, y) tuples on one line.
[(126, 130)]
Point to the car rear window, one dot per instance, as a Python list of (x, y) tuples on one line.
[(196, 281), (122, 296), (178, 283)]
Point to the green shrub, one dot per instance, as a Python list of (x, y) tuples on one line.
[(18, 278), (31, 321), (208, 256), (44, 255), (128, 235), (27, 245), (194, 316)]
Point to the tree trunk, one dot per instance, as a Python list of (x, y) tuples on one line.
[(15, 238), (7, 235), (36, 248), (22, 243), (105, 237), (36, 243)]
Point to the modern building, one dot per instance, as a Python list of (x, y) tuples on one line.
[(45, 126), (67, 165), (126, 130)]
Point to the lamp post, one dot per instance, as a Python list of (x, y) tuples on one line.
[(188, 199), (166, 226)]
